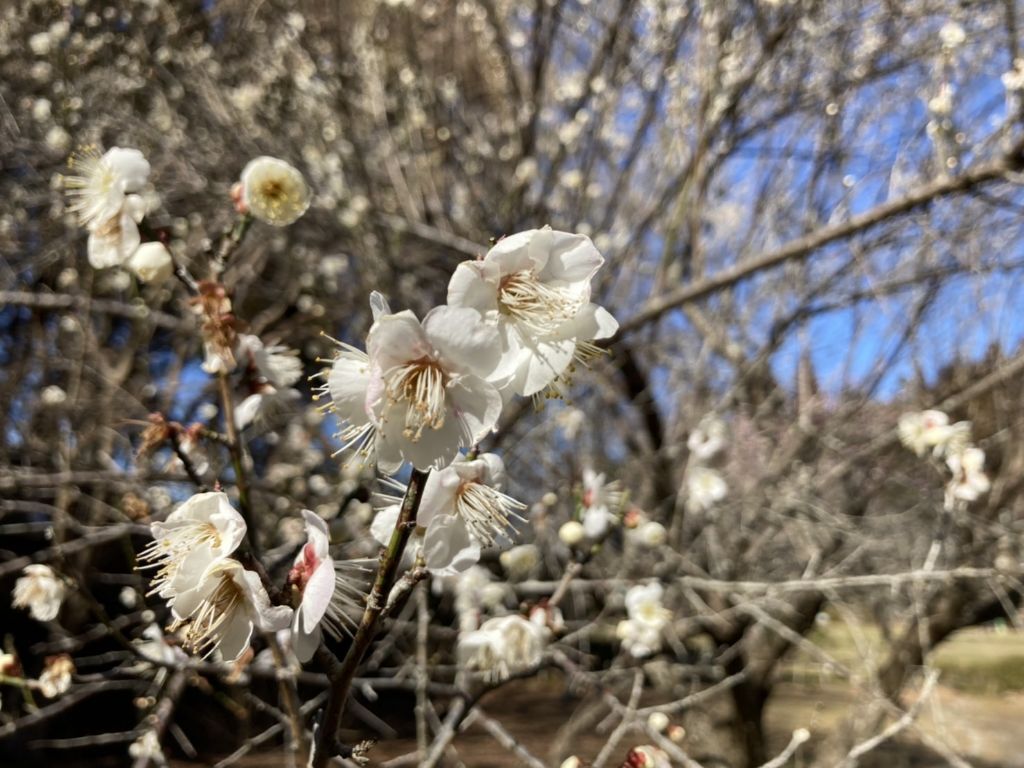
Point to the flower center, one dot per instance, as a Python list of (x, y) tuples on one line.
[(542, 308), (486, 511), (421, 384), (302, 571), (166, 553), (202, 626)]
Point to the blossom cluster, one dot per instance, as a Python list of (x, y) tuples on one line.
[(106, 194), (931, 432), (705, 486), (641, 631), (516, 322), (424, 392)]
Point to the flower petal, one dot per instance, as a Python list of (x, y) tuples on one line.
[(397, 339), (435, 449), (304, 645), (317, 533), (235, 635), (464, 341), (383, 524), (439, 495), (348, 383), (316, 597), (474, 284), (448, 547), (130, 165), (573, 259), (512, 254), (544, 363), (476, 405)]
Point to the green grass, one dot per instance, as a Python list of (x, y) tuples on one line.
[(979, 660)]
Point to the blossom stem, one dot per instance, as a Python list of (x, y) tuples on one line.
[(341, 677), (236, 450), (289, 698), (230, 240)]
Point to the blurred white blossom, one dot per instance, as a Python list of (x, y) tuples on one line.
[(39, 590), (274, 191), (502, 647), (641, 631), (921, 431), (56, 677), (969, 480), (151, 262), (705, 488)]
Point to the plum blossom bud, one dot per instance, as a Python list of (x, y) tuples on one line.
[(39, 590), (572, 533), (152, 262), (658, 721), (571, 762), (519, 561), (676, 733), (651, 534), (646, 756), (274, 191)]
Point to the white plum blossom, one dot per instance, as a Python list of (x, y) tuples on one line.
[(708, 439), (103, 184), (203, 530), (313, 575), (641, 632), (502, 647), (267, 407), (600, 503), (279, 365), (104, 195), (56, 677), (220, 611), (274, 191), (153, 645), (419, 393), (535, 287), (969, 480), (519, 562), (475, 590), (705, 488), (151, 262), (40, 590), (462, 510), (328, 597), (112, 243), (924, 430), (650, 534), (658, 721)]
